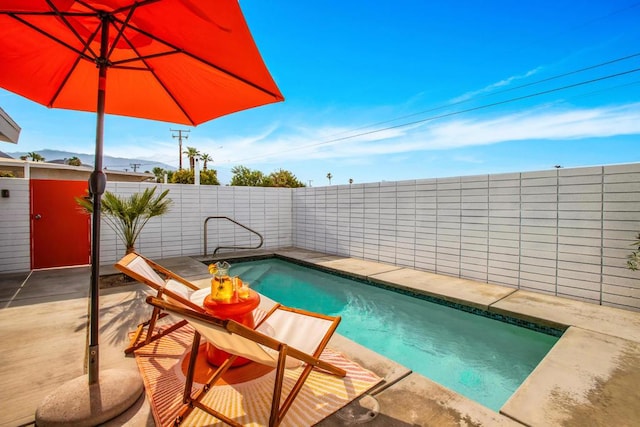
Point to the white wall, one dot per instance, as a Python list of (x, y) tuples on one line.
[(564, 232), (181, 231), (14, 226)]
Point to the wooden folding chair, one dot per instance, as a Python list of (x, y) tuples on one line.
[(285, 338), (172, 288)]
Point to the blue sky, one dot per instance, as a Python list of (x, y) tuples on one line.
[(384, 91)]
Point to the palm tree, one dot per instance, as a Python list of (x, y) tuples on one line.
[(128, 215), (35, 157), (329, 176), (192, 153), (159, 173), (205, 158)]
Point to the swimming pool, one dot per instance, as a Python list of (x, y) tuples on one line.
[(481, 358)]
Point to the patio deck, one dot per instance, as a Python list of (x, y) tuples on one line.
[(589, 377)]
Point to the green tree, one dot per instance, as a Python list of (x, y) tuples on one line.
[(34, 156), (192, 153), (127, 216), (205, 159), (329, 176), (245, 177), (74, 161), (209, 177), (284, 178), (183, 176)]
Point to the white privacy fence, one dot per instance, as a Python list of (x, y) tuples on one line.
[(181, 231), (566, 232)]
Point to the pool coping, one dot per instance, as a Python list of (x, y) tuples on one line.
[(601, 347)]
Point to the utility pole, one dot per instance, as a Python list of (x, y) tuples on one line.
[(180, 135), (135, 166)]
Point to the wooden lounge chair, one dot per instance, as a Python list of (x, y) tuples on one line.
[(285, 338), (167, 285)]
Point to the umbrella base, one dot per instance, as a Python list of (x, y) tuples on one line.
[(76, 403)]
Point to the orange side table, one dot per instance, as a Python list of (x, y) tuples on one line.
[(237, 309)]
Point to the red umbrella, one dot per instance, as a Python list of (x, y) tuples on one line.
[(180, 61)]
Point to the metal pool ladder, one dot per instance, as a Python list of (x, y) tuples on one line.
[(230, 247)]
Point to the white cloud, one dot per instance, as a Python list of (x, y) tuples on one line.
[(145, 148), (296, 142), (497, 85), (550, 123)]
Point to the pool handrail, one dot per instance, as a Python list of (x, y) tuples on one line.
[(229, 247)]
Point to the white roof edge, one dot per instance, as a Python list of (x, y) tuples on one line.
[(46, 165), (9, 129)]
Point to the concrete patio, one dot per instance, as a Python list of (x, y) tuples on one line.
[(589, 377)]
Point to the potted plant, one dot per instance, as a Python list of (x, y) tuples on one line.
[(127, 216)]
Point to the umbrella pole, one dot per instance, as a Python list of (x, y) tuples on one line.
[(80, 402), (97, 184)]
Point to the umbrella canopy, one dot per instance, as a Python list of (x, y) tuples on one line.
[(180, 61)]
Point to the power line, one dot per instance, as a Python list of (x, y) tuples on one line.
[(453, 113), (591, 67), (494, 104), (593, 92), (465, 101)]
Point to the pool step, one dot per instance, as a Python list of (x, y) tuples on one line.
[(249, 273)]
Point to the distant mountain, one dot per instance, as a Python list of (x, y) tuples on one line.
[(113, 163)]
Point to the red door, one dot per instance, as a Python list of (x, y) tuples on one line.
[(60, 230)]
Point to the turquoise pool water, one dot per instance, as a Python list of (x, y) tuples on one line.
[(481, 358)]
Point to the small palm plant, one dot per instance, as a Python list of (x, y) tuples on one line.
[(128, 215)]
